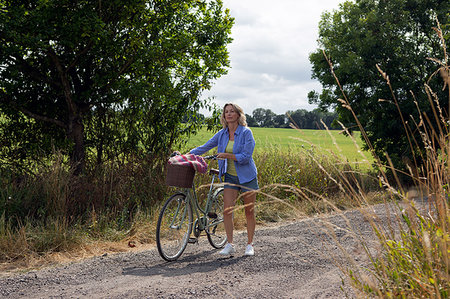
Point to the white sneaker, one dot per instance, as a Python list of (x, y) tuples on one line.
[(228, 250), (249, 250)]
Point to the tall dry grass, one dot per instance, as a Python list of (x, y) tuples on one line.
[(54, 212), (309, 170), (413, 261)]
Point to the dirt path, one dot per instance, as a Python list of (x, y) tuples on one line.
[(290, 261)]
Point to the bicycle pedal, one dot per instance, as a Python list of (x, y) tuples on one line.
[(193, 240), (212, 215)]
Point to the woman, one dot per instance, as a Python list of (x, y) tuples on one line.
[(235, 145)]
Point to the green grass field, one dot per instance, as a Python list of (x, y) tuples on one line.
[(292, 140)]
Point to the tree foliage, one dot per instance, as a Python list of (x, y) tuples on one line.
[(304, 119), (105, 77), (301, 118), (398, 36), (264, 117)]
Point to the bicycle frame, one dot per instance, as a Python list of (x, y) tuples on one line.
[(200, 214)]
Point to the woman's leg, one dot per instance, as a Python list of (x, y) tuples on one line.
[(249, 202), (229, 199)]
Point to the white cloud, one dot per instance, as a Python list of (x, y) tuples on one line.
[(269, 55)]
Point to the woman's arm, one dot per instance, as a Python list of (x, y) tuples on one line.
[(211, 143), (244, 156)]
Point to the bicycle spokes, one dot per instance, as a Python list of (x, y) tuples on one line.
[(174, 227), (216, 228)]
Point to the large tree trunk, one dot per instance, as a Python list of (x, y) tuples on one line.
[(75, 129), (101, 115), (78, 157)]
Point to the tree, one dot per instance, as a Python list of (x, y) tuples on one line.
[(258, 116), (280, 121), (264, 117), (251, 121), (112, 76), (297, 118), (304, 119), (397, 35)]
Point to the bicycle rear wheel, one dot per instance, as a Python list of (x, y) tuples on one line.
[(174, 227), (215, 230)]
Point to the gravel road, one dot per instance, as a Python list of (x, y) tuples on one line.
[(292, 260)]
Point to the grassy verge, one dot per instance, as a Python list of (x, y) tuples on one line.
[(53, 216)]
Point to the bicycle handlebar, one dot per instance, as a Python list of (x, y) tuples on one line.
[(213, 157), (210, 157), (175, 153)]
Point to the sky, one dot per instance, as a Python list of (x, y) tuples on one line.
[(269, 54)]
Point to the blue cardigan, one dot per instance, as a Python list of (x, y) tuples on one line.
[(244, 144)]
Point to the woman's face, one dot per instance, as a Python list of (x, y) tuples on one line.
[(231, 115)]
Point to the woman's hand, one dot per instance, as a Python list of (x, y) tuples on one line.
[(226, 156), (223, 156)]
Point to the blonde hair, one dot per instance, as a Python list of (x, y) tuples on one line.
[(242, 119)]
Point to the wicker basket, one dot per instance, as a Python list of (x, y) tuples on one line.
[(180, 176)]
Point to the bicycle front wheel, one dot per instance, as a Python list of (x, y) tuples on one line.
[(174, 227), (215, 230)]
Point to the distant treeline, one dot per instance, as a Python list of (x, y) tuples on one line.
[(266, 118), (301, 118)]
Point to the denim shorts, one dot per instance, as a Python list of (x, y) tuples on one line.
[(231, 179)]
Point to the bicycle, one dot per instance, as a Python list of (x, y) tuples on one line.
[(176, 219)]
